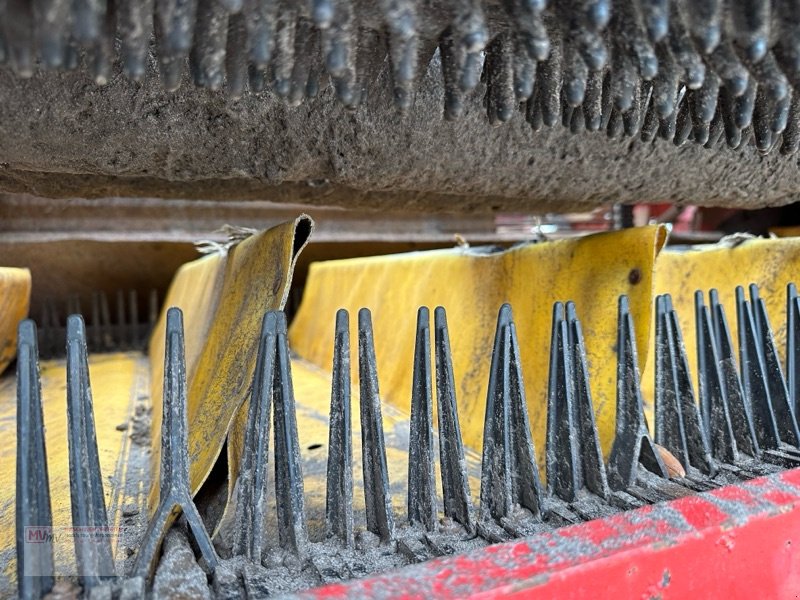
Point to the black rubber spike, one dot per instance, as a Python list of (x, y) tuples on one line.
[(339, 497), (776, 383), (378, 500), (174, 493), (87, 19), (753, 372), (751, 21), (248, 538), (400, 17), (421, 486), (35, 572), (261, 18), (19, 34), (93, 553), (52, 26), (455, 485), (704, 22), (501, 100), (632, 442), (677, 422), (509, 475), (135, 28), (562, 456), (793, 345), (574, 458), (713, 393), (738, 406), (292, 532), (207, 59)]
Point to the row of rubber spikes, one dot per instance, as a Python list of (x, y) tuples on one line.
[(528, 50), (742, 420)]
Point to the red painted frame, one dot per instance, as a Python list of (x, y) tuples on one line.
[(740, 541)]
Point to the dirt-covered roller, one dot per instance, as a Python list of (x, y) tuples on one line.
[(712, 72)]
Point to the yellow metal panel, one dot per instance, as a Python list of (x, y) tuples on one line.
[(769, 263), (117, 380), (225, 300), (592, 271), (15, 296)]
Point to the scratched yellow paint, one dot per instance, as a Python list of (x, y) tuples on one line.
[(115, 379), (15, 295), (592, 271), (224, 300), (770, 263)]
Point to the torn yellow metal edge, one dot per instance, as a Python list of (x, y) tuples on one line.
[(592, 271), (224, 299), (15, 297)]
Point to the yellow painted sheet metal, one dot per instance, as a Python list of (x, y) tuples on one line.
[(15, 295), (118, 383), (592, 271), (769, 263), (224, 299)]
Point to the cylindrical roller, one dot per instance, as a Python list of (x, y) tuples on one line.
[(615, 126), (632, 118), (667, 125), (578, 122), (624, 77), (650, 124), (716, 131), (533, 111), (370, 43), (762, 131)]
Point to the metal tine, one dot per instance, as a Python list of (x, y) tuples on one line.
[(792, 344), (696, 437), (632, 442), (594, 469), (713, 397), (738, 408), (339, 496), (121, 341), (378, 500), (94, 558), (174, 493), (455, 486), (753, 375), (421, 483), (35, 571), (105, 323), (96, 326), (133, 319), (292, 531), (776, 383), (713, 302), (757, 320), (509, 475), (248, 538)]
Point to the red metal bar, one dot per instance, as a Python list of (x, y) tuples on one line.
[(740, 541)]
